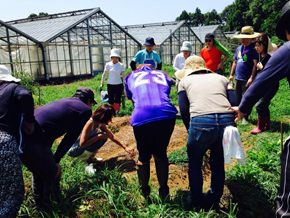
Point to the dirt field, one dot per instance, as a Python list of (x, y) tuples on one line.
[(178, 177)]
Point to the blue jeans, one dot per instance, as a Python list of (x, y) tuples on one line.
[(206, 132), (76, 150)]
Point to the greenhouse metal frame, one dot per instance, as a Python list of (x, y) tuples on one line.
[(168, 37), (69, 44), (201, 31)]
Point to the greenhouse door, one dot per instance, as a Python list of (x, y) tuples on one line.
[(100, 56)]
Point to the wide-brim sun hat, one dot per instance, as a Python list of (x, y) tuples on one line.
[(280, 27), (115, 53), (192, 64), (149, 41), (5, 75), (186, 46), (247, 32)]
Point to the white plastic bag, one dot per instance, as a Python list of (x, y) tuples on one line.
[(104, 96), (233, 146)]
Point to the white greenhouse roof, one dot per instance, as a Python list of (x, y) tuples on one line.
[(159, 31), (201, 31), (44, 28)]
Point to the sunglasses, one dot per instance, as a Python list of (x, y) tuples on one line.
[(208, 40)]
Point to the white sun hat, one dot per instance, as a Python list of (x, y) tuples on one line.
[(186, 46), (115, 53), (5, 75)]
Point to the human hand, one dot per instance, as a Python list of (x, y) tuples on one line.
[(231, 78), (239, 114), (260, 66), (27, 128), (249, 82), (58, 174), (129, 150), (219, 66)]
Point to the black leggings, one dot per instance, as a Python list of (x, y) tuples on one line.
[(115, 93)]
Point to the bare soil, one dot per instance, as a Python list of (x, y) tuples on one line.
[(178, 177)]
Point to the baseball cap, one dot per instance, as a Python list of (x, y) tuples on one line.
[(87, 93)]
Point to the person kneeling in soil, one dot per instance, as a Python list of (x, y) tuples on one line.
[(153, 121), (94, 135)]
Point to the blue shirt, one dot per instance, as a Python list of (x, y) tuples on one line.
[(143, 55), (149, 90), (244, 57), (277, 68)]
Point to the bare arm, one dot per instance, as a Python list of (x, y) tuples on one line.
[(84, 139), (253, 75), (116, 139), (222, 62), (233, 70)]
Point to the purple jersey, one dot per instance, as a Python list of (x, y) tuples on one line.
[(149, 89)]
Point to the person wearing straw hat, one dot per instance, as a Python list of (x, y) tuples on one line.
[(277, 68), (16, 114), (212, 54), (115, 84), (147, 56), (245, 62), (204, 100), (66, 116)]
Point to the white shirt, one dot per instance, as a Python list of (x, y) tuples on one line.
[(179, 61), (114, 71)]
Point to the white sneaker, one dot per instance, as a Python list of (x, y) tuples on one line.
[(244, 121)]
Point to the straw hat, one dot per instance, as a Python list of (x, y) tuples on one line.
[(186, 46), (115, 53), (280, 28), (192, 64), (247, 33), (5, 75)]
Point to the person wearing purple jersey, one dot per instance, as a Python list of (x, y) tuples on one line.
[(153, 121)]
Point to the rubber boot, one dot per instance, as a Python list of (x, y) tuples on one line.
[(85, 156), (267, 123), (162, 175), (143, 172), (117, 108), (261, 126)]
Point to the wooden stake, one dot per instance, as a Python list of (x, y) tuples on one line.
[(281, 129)]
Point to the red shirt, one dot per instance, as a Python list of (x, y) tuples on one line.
[(211, 57)]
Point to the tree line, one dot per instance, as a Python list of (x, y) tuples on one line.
[(262, 15)]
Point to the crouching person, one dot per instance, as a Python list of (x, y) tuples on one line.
[(66, 117), (153, 121), (94, 135)]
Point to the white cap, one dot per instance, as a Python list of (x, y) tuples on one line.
[(115, 53), (5, 75)]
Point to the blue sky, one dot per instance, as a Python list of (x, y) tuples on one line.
[(124, 12)]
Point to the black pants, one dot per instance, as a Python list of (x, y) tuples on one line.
[(115, 93), (282, 200), (153, 138)]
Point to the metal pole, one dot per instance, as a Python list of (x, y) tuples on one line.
[(43, 49), (70, 53), (9, 49), (89, 43)]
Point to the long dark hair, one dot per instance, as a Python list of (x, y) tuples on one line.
[(263, 40), (104, 114)]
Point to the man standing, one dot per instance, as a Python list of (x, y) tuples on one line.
[(147, 56), (277, 68), (245, 61), (65, 116)]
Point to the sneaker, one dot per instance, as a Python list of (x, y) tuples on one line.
[(244, 121)]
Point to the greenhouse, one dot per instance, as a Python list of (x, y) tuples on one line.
[(69, 44), (168, 37), (201, 31)]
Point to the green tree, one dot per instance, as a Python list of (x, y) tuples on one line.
[(197, 18), (212, 18), (33, 15), (183, 16)]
